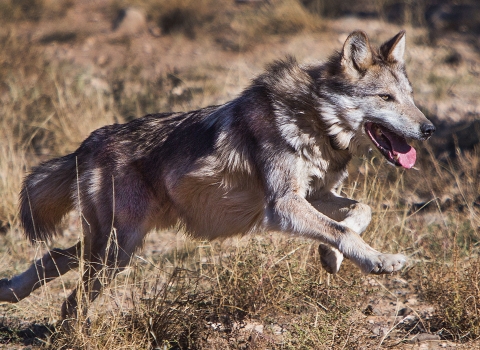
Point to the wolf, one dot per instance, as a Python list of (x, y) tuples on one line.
[(271, 159)]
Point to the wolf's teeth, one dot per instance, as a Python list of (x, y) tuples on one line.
[(378, 132), (396, 156)]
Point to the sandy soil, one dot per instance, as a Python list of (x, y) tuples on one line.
[(448, 91)]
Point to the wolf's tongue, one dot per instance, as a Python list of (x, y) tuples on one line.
[(401, 150), (407, 159)]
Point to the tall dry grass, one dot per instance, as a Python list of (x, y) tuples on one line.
[(265, 291)]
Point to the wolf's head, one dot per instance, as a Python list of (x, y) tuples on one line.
[(367, 99)]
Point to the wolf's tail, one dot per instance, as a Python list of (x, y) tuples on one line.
[(46, 196)]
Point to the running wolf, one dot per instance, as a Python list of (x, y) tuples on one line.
[(271, 159)]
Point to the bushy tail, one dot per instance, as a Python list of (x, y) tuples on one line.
[(47, 196)]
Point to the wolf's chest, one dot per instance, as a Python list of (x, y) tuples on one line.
[(318, 172)]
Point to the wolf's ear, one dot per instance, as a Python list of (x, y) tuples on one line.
[(392, 50), (357, 55)]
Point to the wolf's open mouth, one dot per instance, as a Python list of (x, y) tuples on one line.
[(393, 147)]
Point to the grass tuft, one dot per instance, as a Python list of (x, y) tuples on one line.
[(265, 291)]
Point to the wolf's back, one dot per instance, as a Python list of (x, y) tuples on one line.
[(47, 196)]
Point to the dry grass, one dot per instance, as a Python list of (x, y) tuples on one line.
[(266, 291)]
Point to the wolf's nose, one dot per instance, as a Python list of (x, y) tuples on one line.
[(427, 130)]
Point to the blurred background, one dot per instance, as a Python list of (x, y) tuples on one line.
[(69, 67)]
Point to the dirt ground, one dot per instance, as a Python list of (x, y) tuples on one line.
[(137, 57)]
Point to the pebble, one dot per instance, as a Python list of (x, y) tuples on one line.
[(130, 21)]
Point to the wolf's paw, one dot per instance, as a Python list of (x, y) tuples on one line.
[(384, 263), (6, 292), (330, 258)]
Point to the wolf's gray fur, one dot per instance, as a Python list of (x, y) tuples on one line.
[(272, 159)]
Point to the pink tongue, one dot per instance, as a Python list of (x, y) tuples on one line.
[(407, 160), (405, 154)]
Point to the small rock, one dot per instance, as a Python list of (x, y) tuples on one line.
[(380, 330), (412, 301), (429, 311), (254, 327), (130, 21), (404, 311), (400, 281), (422, 337), (371, 310), (410, 319), (258, 328), (370, 282), (217, 326), (277, 330)]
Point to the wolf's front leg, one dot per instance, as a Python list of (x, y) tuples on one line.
[(293, 213), (348, 212)]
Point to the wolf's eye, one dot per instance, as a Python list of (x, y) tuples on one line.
[(386, 97)]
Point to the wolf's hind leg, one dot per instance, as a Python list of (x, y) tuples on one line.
[(347, 212), (53, 264), (105, 263)]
